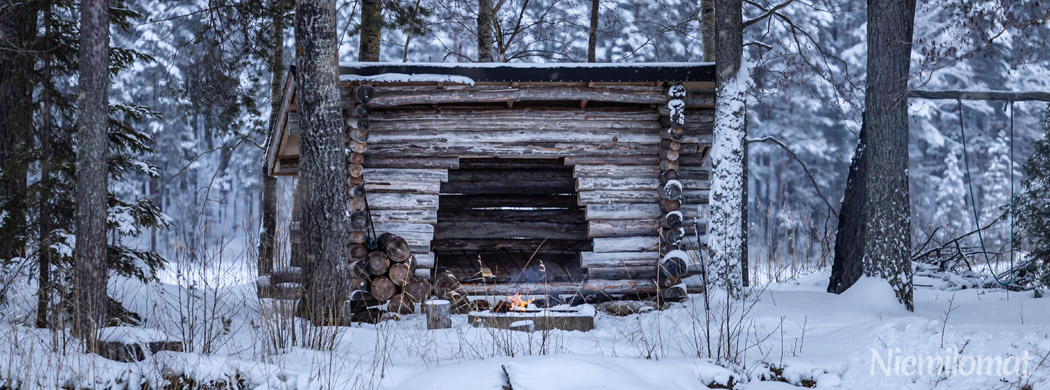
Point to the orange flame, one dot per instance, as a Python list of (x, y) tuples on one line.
[(518, 303)]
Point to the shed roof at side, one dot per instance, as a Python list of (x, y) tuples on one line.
[(401, 73)]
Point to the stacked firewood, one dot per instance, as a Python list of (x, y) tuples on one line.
[(447, 287), (672, 264), (387, 275)]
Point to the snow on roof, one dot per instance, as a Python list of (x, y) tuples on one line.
[(470, 72), (409, 78)]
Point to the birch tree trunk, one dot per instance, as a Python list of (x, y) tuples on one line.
[(371, 30), (484, 30), (727, 237), (875, 231), (91, 273), (323, 171), (592, 38), (268, 223)]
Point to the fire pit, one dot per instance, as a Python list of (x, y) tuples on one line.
[(517, 312)]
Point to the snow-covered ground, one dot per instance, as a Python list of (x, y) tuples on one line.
[(793, 332)]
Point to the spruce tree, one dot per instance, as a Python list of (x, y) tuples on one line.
[(1033, 204)]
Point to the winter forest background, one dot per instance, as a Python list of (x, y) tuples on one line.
[(208, 82)]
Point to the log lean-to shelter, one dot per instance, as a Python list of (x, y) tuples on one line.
[(552, 178)]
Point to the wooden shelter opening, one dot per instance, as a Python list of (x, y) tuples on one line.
[(510, 220)]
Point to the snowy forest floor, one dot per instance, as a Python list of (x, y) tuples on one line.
[(794, 334)]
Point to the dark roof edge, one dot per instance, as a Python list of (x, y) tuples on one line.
[(542, 72)]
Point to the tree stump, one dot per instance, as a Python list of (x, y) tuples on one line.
[(438, 314)]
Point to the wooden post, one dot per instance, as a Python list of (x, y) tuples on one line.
[(438, 314)]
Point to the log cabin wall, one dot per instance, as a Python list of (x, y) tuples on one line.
[(612, 136)]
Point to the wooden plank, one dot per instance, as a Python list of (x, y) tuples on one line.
[(623, 273), (405, 216), (609, 170), (601, 228), (447, 230), (494, 94), (406, 174), (564, 216), (403, 134), (412, 162), (618, 197), (620, 183), (399, 228), (618, 259), (528, 245), (399, 201), (627, 244), (379, 185), (619, 159), (504, 149), (633, 211), (502, 201)]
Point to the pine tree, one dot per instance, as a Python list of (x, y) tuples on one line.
[(1033, 204), (951, 197), (996, 185)]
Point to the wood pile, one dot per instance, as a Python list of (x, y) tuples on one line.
[(386, 275), (672, 264)]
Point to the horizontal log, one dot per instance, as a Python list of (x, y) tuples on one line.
[(622, 273), (609, 170), (627, 244), (618, 259), (564, 216), (632, 211), (492, 201), (380, 184), (398, 228), (590, 288), (980, 95), (601, 228), (621, 183), (483, 163), (412, 162), (397, 201), (617, 197), (507, 244), (405, 216), (447, 230), (424, 260), (622, 160), (460, 136), (520, 150), (406, 174), (497, 94)]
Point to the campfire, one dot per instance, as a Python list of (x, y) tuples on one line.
[(542, 313)]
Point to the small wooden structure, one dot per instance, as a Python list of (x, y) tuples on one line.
[(553, 178)]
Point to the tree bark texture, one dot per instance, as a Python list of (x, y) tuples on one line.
[(883, 230), (44, 222), (727, 225), (92, 178), (323, 248), (592, 36), (268, 223), (707, 29), (17, 31), (371, 30), (484, 30)]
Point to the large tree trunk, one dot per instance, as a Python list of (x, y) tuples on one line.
[(17, 30), (92, 178), (322, 170), (592, 36), (877, 232), (371, 30), (484, 30), (268, 224), (707, 29), (727, 235)]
